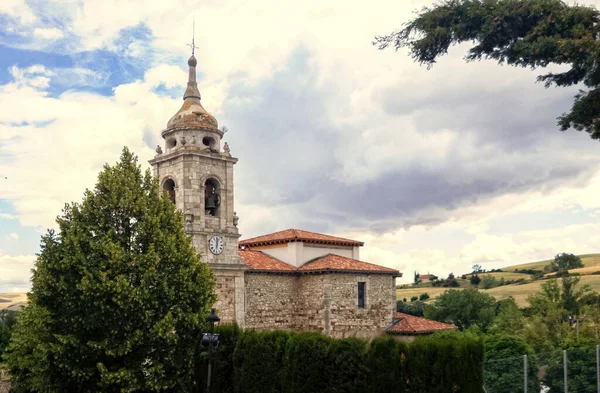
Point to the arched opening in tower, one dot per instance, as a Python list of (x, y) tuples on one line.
[(169, 187), (212, 197)]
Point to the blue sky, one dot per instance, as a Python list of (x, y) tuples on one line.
[(435, 170)]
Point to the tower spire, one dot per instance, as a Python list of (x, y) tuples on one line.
[(192, 86)]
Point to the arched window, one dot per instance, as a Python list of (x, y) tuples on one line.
[(212, 197), (169, 187)]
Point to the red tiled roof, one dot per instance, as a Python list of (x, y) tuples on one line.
[(259, 261), (333, 262), (298, 235), (409, 324)]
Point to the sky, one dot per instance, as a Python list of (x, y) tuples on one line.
[(434, 169)]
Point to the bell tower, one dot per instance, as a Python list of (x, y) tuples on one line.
[(197, 174)]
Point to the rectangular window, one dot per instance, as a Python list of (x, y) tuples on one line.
[(361, 294)]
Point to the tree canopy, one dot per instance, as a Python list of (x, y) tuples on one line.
[(523, 33), (118, 295), (463, 308)]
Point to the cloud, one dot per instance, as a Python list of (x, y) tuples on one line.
[(48, 33), (17, 9), (15, 272), (57, 145), (13, 236)]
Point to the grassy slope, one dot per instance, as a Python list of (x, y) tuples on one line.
[(508, 275), (12, 301), (520, 292)]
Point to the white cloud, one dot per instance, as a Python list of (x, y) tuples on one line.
[(17, 9), (14, 236), (52, 163), (48, 33), (15, 272)]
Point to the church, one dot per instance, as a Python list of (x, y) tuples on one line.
[(292, 279)]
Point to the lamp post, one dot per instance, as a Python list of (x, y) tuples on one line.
[(212, 341)]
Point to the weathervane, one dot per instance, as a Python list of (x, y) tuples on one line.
[(193, 45)]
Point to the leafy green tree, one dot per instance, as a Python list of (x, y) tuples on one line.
[(581, 367), (504, 363), (414, 298), (509, 318), (562, 263), (424, 296), (4, 338), (548, 326), (464, 308), (417, 278), (475, 279), (477, 269), (522, 33), (118, 295), (488, 281), (412, 308), (8, 318)]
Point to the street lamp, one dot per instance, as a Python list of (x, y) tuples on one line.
[(210, 340)]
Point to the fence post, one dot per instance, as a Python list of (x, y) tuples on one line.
[(525, 373), (598, 367), (565, 371)]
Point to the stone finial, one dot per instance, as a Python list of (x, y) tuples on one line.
[(158, 149), (236, 219), (193, 139), (226, 148), (183, 141)]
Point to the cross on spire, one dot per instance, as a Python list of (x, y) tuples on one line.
[(193, 45)]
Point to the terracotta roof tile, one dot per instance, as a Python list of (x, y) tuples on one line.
[(332, 262), (290, 235), (409, 324), (259, 261)]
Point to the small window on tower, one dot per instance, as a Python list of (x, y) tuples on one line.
[(171, 143), (361, 294), (169, 187)]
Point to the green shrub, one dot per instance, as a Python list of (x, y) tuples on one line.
[(257, 361), (305, 362), (384, 361), (346, 371)]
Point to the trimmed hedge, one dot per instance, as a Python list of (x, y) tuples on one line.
[(285, 362)]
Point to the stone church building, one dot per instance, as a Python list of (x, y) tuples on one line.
[(293, 279)]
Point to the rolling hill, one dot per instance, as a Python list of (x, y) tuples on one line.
[(590, 276)]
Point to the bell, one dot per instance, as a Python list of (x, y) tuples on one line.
[(210, 203)]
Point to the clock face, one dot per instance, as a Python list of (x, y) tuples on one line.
[(216, 244)]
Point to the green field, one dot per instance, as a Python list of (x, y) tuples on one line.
[(587, 259), (508, 275), (519, 292)]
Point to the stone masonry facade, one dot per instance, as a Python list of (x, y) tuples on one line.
[(324, 303)]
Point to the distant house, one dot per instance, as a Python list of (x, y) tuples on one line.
[(407, 327), (425, 277)]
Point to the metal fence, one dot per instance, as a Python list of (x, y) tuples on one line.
[(575, 370)]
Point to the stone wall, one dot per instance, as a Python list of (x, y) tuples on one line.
[(325, 303), (225, 305), (345, 318), (270, 301), (309, 305)]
